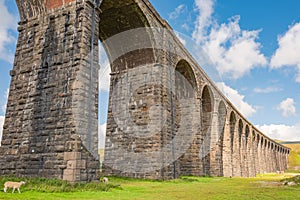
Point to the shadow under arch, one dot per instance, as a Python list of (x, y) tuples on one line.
[(184, 68), (120, 15), (123, 30), (240, 148), (207, 106), (219, 146), (186, 90), (232, 124), (245, 152)]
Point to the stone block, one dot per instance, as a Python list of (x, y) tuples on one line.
[(72, 156), (59, 148), (76, 164), (71, 175)]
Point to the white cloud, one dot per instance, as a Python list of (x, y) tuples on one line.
[(204, 19), (237, 99), (179, 10), (185, 27), (3, 109), (267, 90), (287, 53), (105, 70), (287, 107), (234, 52), (4, 102), (102, 134), (8, 23), (281, 131), (1, 127)]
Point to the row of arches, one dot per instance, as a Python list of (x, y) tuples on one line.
[(250, 151), (231, 145)]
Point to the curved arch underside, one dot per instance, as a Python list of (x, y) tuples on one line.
[(124, 32), (185, 69), (120, 15)]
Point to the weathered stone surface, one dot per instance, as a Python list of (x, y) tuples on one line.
[(42, 116), (166, 117)]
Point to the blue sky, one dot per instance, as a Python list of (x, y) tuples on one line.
[(254, 46)]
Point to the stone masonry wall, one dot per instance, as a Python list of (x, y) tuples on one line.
[(51, 120)]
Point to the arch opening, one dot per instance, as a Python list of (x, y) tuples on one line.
[(124, 32), (206, 122), (232, 124), (232, 129), (222, 112), (184, 68), (247, 132)]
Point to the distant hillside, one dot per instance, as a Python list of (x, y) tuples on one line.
[(287, 142), (294, 158)]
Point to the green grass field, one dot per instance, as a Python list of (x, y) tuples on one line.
[(268, 186), (262, 187)]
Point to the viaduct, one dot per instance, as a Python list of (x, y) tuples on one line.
[(166, 117)]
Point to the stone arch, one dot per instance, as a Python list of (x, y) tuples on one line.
[(123, 24), (253, 136), (253, 153), (232, 127), (247, 133), (207, 104), (120, 15), (258, 153), (240, 145), (207, 109), (185, 89), (272, 146), (246, 150), (240, 131), (266, 143), (222, 112), (185, 79), (232, 123)]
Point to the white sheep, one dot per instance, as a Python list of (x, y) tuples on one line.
[(105, 180), (14, 185)]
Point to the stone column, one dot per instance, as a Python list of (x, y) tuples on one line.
[(214, 144), (236, 153), (258, 150), (227, 154), (51, 121)]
